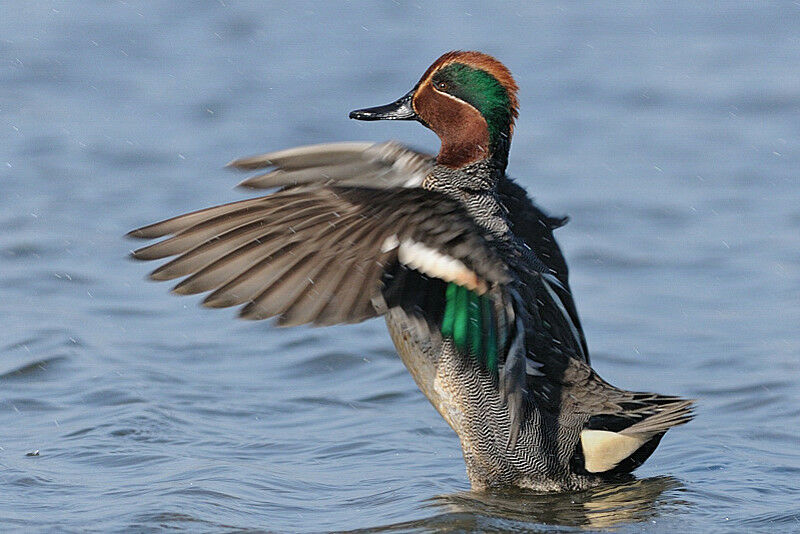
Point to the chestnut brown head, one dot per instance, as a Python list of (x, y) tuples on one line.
[(469, 99)]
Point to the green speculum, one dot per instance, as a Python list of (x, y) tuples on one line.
[(469, 321)]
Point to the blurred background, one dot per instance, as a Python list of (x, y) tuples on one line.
[(670, 133)]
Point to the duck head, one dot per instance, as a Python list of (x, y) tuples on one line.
[(469, 99)]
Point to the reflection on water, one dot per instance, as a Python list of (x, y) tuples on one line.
[(629, 502)]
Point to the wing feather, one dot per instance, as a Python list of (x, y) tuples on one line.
[(228, 265), (312, 305), (261, 253), (206, 229), (177, 224), (304, 156), (247, 285), (328, 173), (376, 165)]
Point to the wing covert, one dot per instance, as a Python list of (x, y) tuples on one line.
[(374, 165)]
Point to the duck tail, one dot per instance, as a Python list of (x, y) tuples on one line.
[(619, 442), (667, 414)]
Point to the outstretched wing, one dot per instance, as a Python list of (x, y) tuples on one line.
[(391, 165), (321, 254), (373, 165), (330, 254), (352, 233)]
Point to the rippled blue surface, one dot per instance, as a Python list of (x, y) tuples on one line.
[(671, 135)]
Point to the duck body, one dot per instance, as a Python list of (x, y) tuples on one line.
[(562, 392), (459, 261)]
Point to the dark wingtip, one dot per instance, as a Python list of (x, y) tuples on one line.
[(151, 231), (557, 222), (136, 234), (134, 255), (249, 163), (250, 183)]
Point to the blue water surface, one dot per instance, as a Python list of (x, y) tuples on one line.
[(669, 132)]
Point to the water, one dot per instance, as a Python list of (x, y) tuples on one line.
[(671, 135)]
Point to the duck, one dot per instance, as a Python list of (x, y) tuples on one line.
[(459, 261)]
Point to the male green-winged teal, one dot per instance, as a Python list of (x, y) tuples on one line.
[(457, 258)]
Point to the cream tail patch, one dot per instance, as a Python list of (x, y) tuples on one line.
[(603, 450)]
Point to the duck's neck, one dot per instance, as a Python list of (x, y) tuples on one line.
[(474, 185), (500, 147), (474, 178), (470, 146)]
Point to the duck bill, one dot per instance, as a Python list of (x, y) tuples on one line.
[(399, 110)]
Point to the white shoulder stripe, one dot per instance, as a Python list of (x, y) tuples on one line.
[(423, 258), (390, 243)]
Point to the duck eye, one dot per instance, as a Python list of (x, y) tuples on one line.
[(442, 85)]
